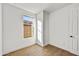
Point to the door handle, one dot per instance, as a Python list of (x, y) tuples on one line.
[(71, 36)]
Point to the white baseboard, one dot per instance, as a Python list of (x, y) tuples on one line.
[(73, 52), (42, 45), (6, 52)]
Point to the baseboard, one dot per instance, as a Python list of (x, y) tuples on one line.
[(24, 47), (17, 49), (41, 45), (75, 53), (44, 46)]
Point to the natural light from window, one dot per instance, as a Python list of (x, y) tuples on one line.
[(39, 31), (27, 20)]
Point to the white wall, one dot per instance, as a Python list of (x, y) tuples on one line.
[(58, 28), (45, 27), (62, 25), (13, 29), (0, 29), (40, 28), (78, 31), (43, 37)]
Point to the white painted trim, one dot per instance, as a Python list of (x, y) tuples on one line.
[(74, 52), (6, 52)]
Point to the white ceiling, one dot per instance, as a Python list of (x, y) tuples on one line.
[(37, 7)]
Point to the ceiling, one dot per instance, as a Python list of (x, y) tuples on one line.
[(37, 7)]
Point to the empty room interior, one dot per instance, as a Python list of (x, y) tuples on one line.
[(39, 29)]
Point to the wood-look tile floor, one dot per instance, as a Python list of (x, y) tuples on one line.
[(36, 50)]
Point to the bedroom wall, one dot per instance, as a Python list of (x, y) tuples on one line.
[(42, 28), (13, 38), (0, 29), (62, 25), (45, 28)]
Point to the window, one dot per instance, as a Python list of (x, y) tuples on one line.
[(27, 26)]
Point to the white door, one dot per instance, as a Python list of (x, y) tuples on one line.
[(78, 31), (73, 29), (68, 41)]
